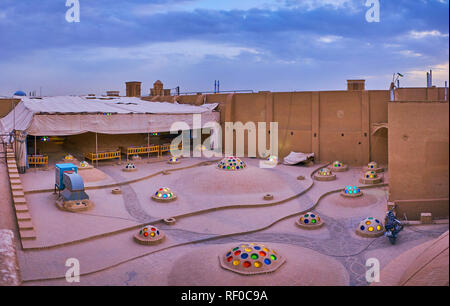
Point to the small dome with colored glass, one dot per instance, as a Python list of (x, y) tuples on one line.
[(149, 235), (231, 164), (174, 160), (370, 175), (325, 172), (338, 166), (370, 227), (130, 167), (351, 191), (310, 220), (84, 164), (251, 258), (164, 194), (372, 165)]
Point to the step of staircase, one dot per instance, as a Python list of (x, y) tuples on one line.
[(23, 216), (17, 193), (17, 187), (21, 208), (25, 225), (19, 200), (15, 182), (28, 234)]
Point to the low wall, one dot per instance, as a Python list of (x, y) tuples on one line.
[(413, 208)]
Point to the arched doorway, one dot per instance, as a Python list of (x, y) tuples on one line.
[(379, 143)]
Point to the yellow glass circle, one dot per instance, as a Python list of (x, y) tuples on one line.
[(236, 262), (248, 249), (370, 229), (257, 264), (378, 228)]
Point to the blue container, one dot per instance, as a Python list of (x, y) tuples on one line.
[(59, 173)]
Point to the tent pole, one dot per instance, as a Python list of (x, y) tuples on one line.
[(96, 150), (35, 152), (148, 147)]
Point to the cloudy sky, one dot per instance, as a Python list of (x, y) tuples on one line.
[(277, 45)]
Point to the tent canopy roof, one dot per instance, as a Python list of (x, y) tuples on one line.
[(70, 115), (114, 105)]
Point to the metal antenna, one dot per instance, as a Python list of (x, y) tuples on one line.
[(445, 91)]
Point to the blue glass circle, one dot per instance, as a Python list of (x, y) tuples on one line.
[(267, 261)]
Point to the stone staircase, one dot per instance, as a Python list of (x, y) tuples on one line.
[(24, 222)]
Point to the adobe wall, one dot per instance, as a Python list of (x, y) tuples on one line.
[(335, 125), (420, 94), (5, 106), (418, 150)]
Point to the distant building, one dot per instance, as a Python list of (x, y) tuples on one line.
[(356, 85), (133, 89), (158, 90), (113, 93)]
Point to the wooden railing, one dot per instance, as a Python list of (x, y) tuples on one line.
[(168, 147), (103, 155), (38, 160), (141, 150)]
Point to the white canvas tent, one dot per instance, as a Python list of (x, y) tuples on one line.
[(72, 115), (64, 116), (295, 158)]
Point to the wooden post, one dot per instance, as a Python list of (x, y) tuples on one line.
[(96, 150), (35, 152)]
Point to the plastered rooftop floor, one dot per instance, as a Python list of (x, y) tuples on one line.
[(215, 210)]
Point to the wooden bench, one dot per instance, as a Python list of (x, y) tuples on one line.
[(103, 155), (38, 160), (141, 150), (169, 147)]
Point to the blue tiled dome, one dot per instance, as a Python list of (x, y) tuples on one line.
[(20, 93)]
